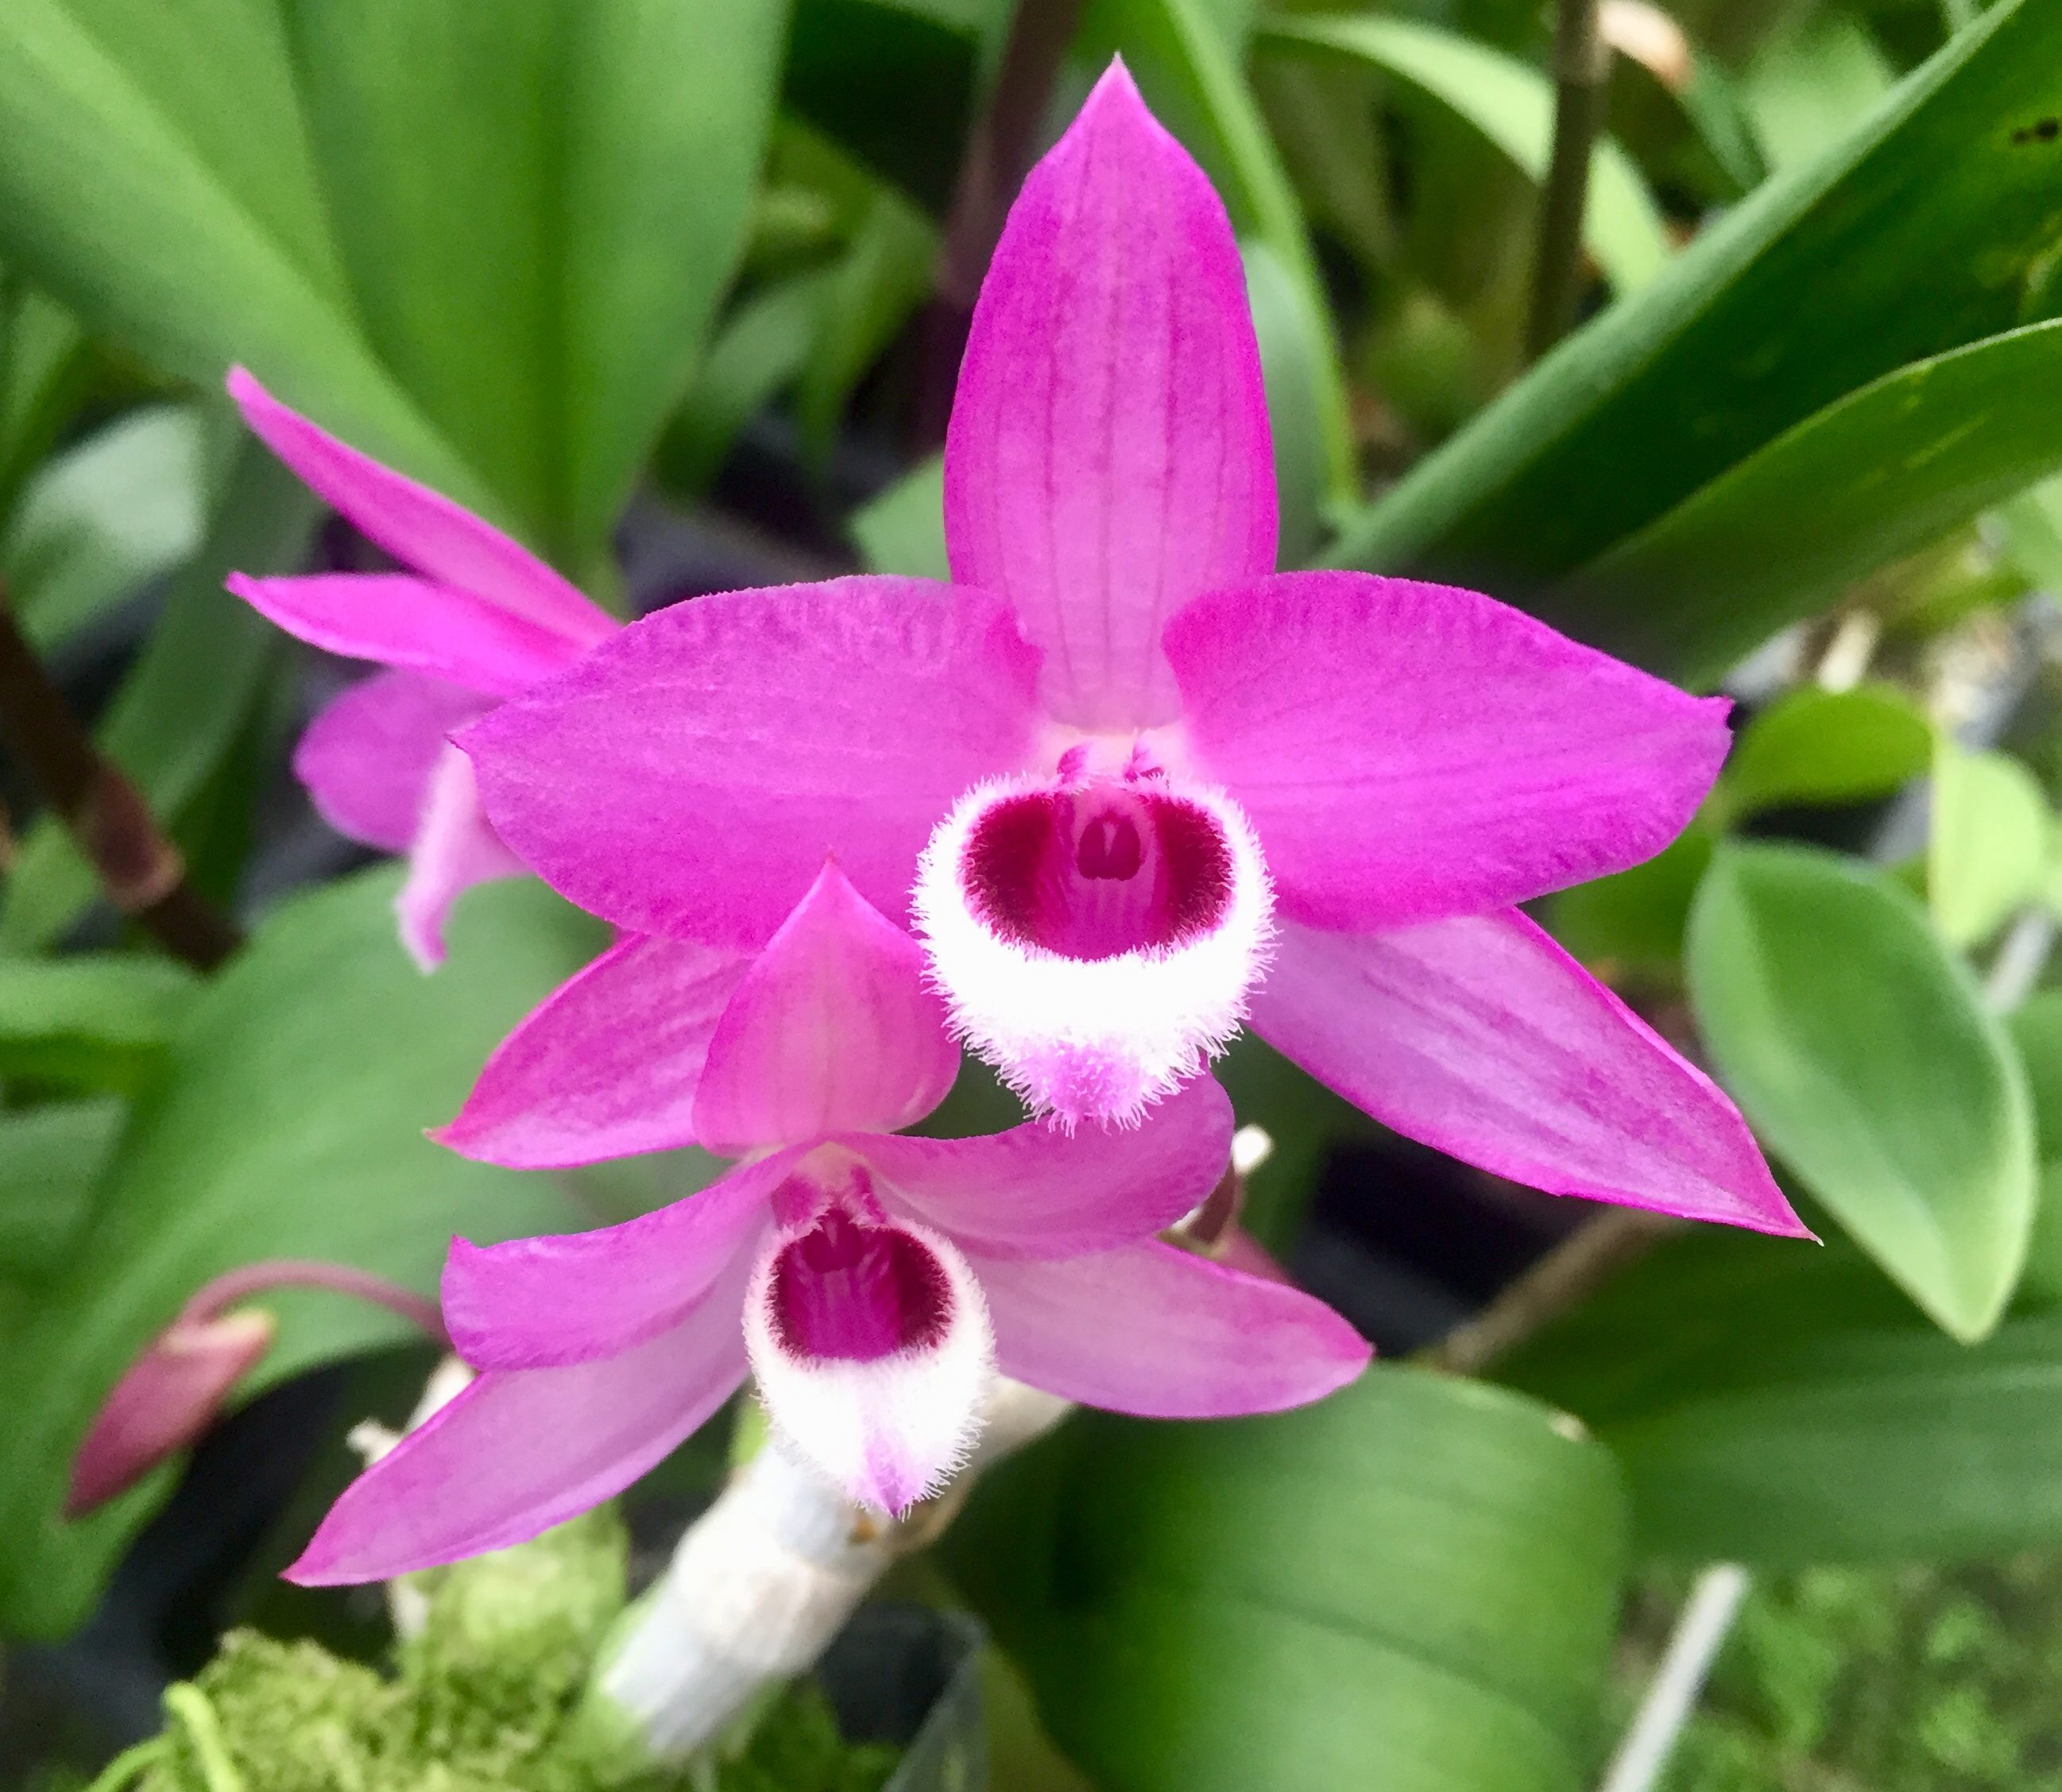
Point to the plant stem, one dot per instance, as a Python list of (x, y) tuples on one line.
[(1700, 1633), (998, 152), (1562, 1281), (141, 871), (240, 1283), (1581, 66)]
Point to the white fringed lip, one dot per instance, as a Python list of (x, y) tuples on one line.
[(1099, 1038)]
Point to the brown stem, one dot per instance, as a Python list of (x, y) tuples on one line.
[(1562, 1281), (998, 153), (1582, 67), (141, 870)]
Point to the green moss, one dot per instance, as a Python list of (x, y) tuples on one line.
[(482, 1699)]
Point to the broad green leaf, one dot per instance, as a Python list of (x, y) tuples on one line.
[(102, 1018), (1987, 850), (1860, 1048), (288, 1124), (189, 697), (158, 181), (538, 204), (1929, 226), (2033, 532), (1780, 1405), (1190, 75), (125, 506), (1818, 746), (2036, 1026), (760, 350), (903, 530), (1418, 1573), (1511, 104), (1634, 919), (1776, 537), (1810, 84), (51, 1158)]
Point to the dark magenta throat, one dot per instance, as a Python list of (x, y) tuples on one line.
[(1095, 872), (855, 1292)]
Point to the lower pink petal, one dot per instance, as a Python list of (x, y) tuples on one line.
[(1407, 752), (412, 625), (521, 1450), (1152, 1330), (1037, 1191), (833, 1027), (454, 849), (366, 759), (607, 1066), (543, 1303), (687, 777), (1482, 1037)]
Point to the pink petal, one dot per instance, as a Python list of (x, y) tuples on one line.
[(870, 1346), (833, 1028), (544, 1303), (521, 1450), (1109, 456), (412, 624), (454, 849), (366, 759), (1038, 1192), (607, 1065), (1482, 1037), (419, 528), (1408, 751), (688, 776), (1150, 1329)]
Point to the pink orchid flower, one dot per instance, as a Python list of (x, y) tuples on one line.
[(1133, 786), (479, 619), (871, 1282)]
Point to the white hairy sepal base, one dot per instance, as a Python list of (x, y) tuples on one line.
[(1093, 1039), (892, 1431)]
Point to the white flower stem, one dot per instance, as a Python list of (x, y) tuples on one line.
[(1700, 1633), (767, 1576)]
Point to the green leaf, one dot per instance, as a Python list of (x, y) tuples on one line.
[(51, 1158), (1860, 1050), (2036, 1026), (1929, 226), (1294, 365), (1635, 919), (903, 530), (760, 350), (539, 206), (1511, 104), (1809, 85), (1780, 1405), (1190, 75), (125, 506), (1987, 848), (103, 1018), (290, 1124), (1776, 537), (190, 695), (1818, 746), (46, 366), (1418, 1572)]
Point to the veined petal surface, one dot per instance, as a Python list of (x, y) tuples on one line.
[(366, 759), (1109, 456), (1150, 1329), (1408, 752), (833, 1028), (689, 776), (1482, 1037), (607, 1065)]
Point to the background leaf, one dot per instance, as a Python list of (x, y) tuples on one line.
[(1418, 1572), (102, 1018), (1861, 1052), (1811, 745), (1988, 847), (288, 1124)]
